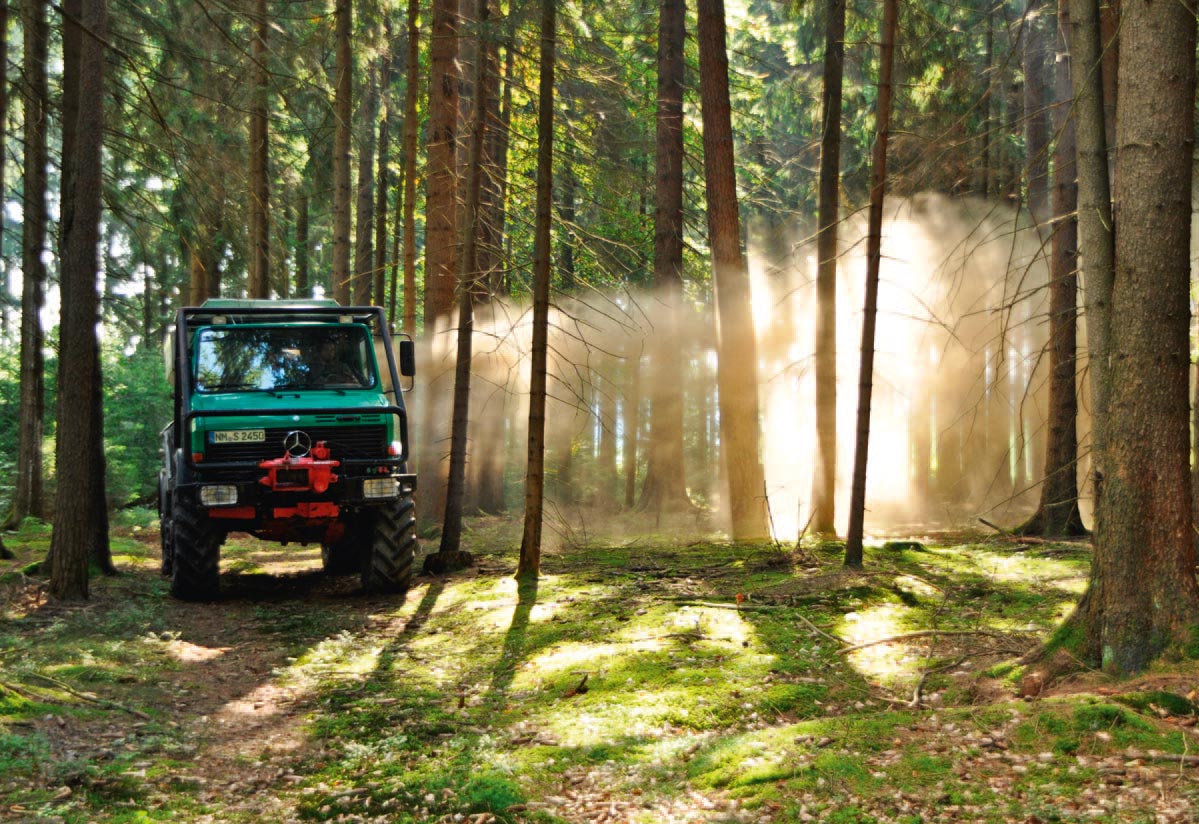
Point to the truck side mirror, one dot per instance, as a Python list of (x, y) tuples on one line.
[(407, 358)]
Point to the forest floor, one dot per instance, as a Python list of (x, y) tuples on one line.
[(639, 680)]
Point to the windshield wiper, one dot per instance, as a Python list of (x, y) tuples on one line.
[(309, 385), (224, 387)]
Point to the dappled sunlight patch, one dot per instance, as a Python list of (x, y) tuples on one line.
[(495, 598), (575, 657), (344, 655), (881, 662), (625, 710), (259, 703), (190, 653)]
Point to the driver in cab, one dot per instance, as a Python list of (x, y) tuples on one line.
[(328, 367)]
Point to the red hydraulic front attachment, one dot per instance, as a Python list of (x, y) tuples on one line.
[(293, 473)]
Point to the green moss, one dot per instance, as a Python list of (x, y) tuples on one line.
[(1150, 702), (1190, 648)]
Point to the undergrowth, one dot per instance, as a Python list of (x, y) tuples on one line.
[(640, 678)]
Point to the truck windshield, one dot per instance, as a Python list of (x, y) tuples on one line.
[(268, 358)]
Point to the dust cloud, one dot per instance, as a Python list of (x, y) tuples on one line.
[(959, 387)]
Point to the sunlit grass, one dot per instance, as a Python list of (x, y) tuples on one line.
[(627, 671)]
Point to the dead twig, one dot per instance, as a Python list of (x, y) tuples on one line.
[(918, 692), (743, 607), (1019, 539), (90, 697), (6, 687), (927, 633), (819, 631), (1170, 758)]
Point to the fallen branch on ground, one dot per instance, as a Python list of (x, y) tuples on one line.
[(929, 633), (95, 699)]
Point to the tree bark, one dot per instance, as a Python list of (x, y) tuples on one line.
[(343, 110), (259, 211), (28, 495), (665, 486), (451, 534), (382, 187), (78, 480), (1095, 227), (984, 174), (441, 235), (824, 477), (736, 364), (874, 243), (492, 205), (529, 565), (1057, 513), (497, 279), (632, 420), (1037, 47), (303, 289), (364, 211), (4, 272), (1143, 598), (410, 134)]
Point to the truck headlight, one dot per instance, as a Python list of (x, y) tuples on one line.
[(379, 488), (218, 495)]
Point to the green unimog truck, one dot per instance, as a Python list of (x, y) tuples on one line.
[(289, 424)]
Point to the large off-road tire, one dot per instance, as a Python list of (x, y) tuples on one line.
[(345, 557), (389, 565), (196, 555), (164, 528)]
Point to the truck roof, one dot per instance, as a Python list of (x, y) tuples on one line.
[(241, 303), (239, 311)]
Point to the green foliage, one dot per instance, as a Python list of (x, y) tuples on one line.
[(137, 404)]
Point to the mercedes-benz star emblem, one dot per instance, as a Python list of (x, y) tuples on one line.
[(297, 444)]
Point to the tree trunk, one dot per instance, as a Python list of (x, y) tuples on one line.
[(397, 233), (451, 534), (28, 496), (606, 459), (259, 211), (364, 211), (984, 174), (567, 279), (497, 282), (382, 187), (303, 289), (1057, 513), (343, 111), (485, 487), (736, 365), (4, 272), (1143, 598), (441, 235), (1094, 218), (665, 486), (210, 255), (824, 476), (83, 79), (491, 199), (1037, 47), (874, 242), (632, 420), (410, 133), (530, 545)]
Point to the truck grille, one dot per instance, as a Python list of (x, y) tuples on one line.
[(343, 441)]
